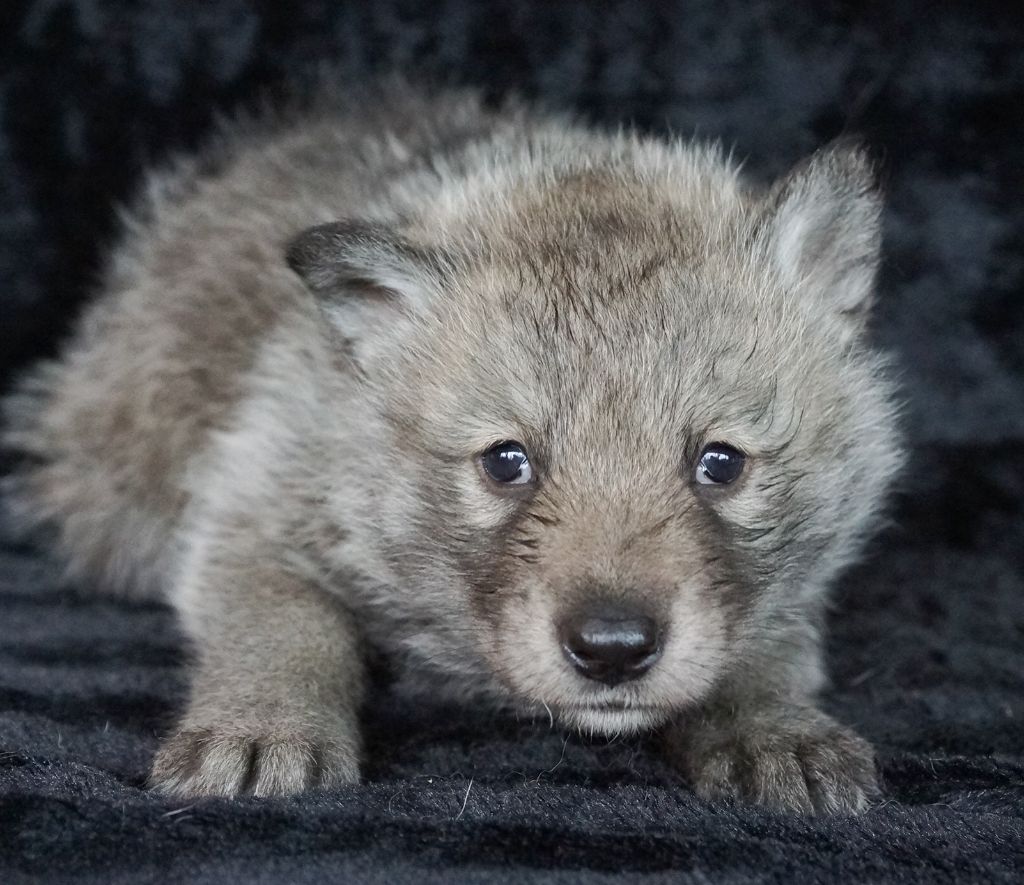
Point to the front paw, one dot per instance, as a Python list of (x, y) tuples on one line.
[(788, 758), (228, 760)]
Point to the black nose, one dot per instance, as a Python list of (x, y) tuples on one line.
[(610, 645)]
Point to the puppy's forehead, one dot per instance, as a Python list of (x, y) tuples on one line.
[(603, 303), (640, 370), (628, 315), (619, 257)]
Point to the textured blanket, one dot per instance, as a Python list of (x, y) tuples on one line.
[(927, 635)]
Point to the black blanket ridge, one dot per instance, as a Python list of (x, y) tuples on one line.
[(927, 635)]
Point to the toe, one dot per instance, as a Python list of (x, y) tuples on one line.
[(225, 767), (717, 776), (283, 768), (777, 780), (841, 779)]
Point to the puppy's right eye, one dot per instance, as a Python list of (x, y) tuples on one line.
[(719, 464), (507, 463)]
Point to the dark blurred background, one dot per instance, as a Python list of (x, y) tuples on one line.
[(91, 91), (927, 637)]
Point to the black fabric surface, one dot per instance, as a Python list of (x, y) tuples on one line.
[(927, 643)]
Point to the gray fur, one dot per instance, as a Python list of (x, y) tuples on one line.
[(273, 415)]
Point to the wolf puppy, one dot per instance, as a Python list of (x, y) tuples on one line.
[(554, 417)]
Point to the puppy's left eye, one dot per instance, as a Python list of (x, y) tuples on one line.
[(719, 464), (508, 464)]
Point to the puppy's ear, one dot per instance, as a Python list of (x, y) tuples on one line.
[(370, 282), (823, 233), (346, 259)]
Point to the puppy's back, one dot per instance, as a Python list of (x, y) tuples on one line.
[(106, 435)]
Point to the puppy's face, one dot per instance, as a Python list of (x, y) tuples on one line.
[(638, 432)]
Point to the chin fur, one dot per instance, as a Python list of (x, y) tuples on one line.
[(611, 721)]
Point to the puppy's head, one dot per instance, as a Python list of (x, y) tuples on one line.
[(633, 426)]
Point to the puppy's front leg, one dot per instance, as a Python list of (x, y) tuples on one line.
[(784, 755), (278, 680), (762, 739)]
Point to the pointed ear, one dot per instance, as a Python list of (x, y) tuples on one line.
[(352, 258), (824, 233), (369, 281)]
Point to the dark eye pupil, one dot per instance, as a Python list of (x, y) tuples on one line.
[(721, 463), (505, 462)]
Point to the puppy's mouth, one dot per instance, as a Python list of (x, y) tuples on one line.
[(612, 717), (616, 705)]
